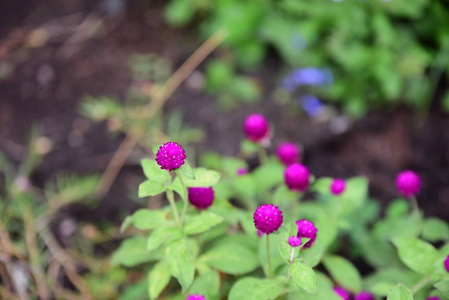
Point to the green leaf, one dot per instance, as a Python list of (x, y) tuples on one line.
[(265, 289), (397, 208), (202, 222), (179, 12), (435, 230), (180, 263), (133, 251), (128, 221), (382, 281), (162, 234), (324, 290), (150, 188), (400, 292), (186, 171), (322, 185), (406, 226), (355, 194), (282, 240), (204, 178), (250, 288), (304, 276), (268, 176), (156, 149), (231, 258), (443, 287), (343, 272), (207, 284), (149, 219), (312, 256), (154, 172), (158, 278), (416, 254), (240, 289)]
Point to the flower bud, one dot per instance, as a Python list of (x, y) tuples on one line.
[(256, 128), (296, 177)]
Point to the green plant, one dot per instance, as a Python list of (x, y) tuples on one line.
[(381, 53), (217, 252)]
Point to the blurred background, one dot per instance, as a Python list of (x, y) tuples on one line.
[(88, 87)]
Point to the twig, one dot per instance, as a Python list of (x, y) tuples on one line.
[(30, 239), (158, 99), (66, 262)]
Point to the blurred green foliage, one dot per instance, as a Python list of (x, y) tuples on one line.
[(381, 53)]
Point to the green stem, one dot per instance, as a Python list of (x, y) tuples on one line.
[(418, 286), (414, 204), (270, 272), (171, 199), (184, 208), (262, 155)]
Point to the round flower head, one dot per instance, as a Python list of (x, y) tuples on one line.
[(288, 153), (344, 294), (242, 171), (170, 156), (294, 241), (307, 229), (268, 218), (433, 298), (296, 177), (195, 297), (338, 186), (446, 263), (364, 296), (408, 183), (256, 128), (201, 197)]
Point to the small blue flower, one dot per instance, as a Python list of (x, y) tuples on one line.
[(307, 76), (312, 105)]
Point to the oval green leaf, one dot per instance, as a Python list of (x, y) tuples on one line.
[(416, 254), (304, 276), (150, 188), (180, 263), (400, 292), (231, 258), (343, 272), (158, 278), (204, 221)]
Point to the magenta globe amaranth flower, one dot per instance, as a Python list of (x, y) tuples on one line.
[(296, 177), (242, 171), (342, 292), (338, 186), (408, 183), (268, 218), (195, 297), (201, 197), (306, 229), (433, 298), (364, 296), (294, 241), (256, 128), (170, 156), (446, 263), (288, 153)]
